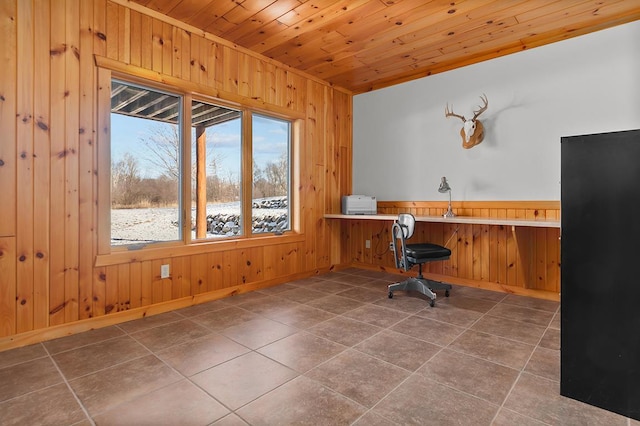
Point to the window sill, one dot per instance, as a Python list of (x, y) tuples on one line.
[(200, 247)]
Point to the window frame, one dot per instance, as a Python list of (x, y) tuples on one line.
[(110, 255), (289, 166), (208, 100), (180, 185)]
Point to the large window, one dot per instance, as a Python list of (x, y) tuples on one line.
[(270, 149), (145, 165), (216, 181), (183, 177)]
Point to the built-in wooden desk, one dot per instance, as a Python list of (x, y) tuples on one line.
[(467, 220), (520, 256)]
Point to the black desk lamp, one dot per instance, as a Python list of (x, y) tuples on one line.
[(444, 187)]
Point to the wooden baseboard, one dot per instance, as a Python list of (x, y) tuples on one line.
[(485, 285), (63, 330)]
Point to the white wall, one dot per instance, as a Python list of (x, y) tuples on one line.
[(403, 143)]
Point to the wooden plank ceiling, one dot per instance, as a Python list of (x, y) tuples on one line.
[(362, 45)]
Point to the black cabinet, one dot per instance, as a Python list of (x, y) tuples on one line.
[(600, 258)]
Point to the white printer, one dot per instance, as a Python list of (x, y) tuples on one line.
[(359, 204)]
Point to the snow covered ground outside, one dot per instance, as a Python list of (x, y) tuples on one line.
[(140, 226)]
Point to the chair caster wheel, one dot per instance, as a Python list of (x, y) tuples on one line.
[(446, 293), (432, 303), (390, 295)]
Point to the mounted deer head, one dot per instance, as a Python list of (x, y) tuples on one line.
[(473, 131)]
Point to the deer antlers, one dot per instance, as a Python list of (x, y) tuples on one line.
[(473, 131), (482, 108), (450, 113)]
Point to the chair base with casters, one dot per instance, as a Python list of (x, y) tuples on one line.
[(421, 285), (408, 255)]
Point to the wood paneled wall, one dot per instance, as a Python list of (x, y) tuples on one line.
[(51, 148), (521, 260)]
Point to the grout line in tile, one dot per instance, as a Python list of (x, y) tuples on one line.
[(187, 378), (181, 318), (522, 370), (27, 360), (111, 366), (85, 345), (66, 382), (413, 373)]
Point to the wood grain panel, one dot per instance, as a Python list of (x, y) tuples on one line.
[(198, 275), (229, 72), (112, 275), (71, 159), (251, 264), (111, 30), (215, 273), (135, 53), (87, 197), (208, 54), (146, 284), (135, 290), (123, 288), (310, 196), (185, 59), (7, 286), (246, 72), (230, 272), (24, 169), (41, 162), (154, 48), (199, 50), (156, 281), (99, 296), (147, 43), (283, 259), (57, 169), (187, 277), (8, 94)]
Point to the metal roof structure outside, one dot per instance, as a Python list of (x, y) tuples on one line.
[(140, 102)]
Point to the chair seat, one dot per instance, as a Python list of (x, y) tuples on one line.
[(424, 251), (407, 255)]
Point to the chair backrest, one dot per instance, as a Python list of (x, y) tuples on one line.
[(408, 224), (402, 230)]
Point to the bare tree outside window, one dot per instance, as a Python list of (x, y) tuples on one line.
[(125, 179), (163, 144)]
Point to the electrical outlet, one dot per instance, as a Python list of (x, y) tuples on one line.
[(367, 243), (164, 271), (390, 245)]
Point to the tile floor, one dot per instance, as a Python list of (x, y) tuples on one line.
[(327, 350)]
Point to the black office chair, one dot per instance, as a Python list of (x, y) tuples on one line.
[(408, 255)]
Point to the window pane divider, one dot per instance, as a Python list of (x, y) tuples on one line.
[(185, 199), (247, 174)]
